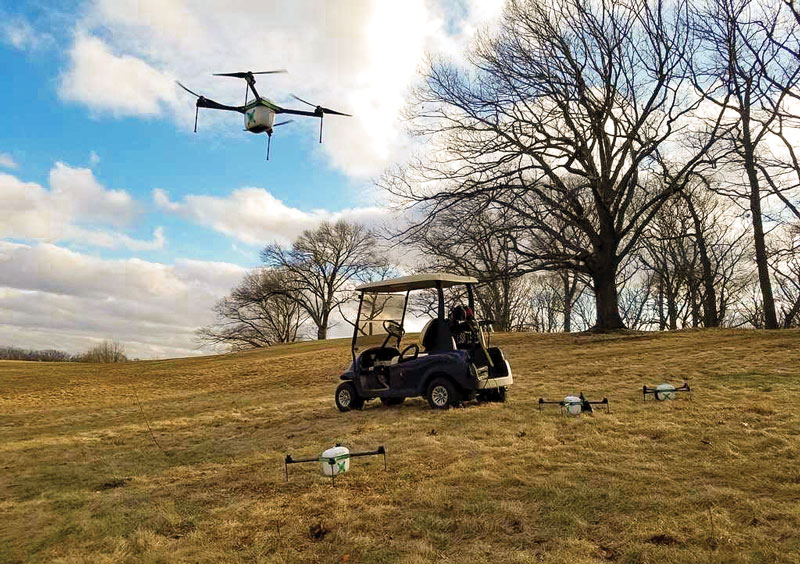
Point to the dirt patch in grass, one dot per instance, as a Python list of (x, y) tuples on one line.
[(113, 483)]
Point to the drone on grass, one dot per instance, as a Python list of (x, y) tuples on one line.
[(259, 113)]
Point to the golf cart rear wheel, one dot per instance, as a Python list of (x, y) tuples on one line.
[(388, 402), (442, 394), (347, 397)]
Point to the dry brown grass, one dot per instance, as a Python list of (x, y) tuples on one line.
[(711, 480)]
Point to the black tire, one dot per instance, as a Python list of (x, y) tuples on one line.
[(347, 397), (442, 394), (388, 402)]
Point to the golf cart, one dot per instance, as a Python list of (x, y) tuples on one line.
[(451, 361)]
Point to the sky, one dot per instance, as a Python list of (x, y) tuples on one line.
[(117, 221)]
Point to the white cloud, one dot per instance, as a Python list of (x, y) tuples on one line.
[(75, 208), (7, 161), (256, 217), (51, 297), (360, 57), (94, 159), (121, 84)]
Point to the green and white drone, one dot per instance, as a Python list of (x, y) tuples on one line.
[(665, 391), (259, 113)]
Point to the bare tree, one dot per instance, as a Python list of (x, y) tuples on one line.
[(698, 254), (785, 262), (474, 243), (322, 264), (741, 59), (257, 313), (106, 352), (564, 121)]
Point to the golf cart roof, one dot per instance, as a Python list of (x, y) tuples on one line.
[(417, 282)]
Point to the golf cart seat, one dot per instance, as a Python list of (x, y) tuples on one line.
[(379, 356), (436, 337)]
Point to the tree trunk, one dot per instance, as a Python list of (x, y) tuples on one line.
[(606, 300), (569, 291), (695, 304), (770, 317), (710, 316)]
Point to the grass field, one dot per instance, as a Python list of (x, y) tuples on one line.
[(710, 480)]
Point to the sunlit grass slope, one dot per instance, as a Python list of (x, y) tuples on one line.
[(713, 479)]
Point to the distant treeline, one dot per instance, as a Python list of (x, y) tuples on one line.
[(105, 352), (50, 355)]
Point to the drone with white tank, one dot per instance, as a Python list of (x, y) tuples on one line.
[(259, 113)]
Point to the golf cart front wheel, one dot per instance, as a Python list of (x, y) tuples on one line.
[(347, 397), (442, 394)]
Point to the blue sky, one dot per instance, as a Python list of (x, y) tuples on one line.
[(114, 206), (139, 154)]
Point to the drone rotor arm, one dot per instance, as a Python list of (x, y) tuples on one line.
[(211, 104), (296, 112)]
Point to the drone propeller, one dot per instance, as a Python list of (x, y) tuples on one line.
[(320, 111), (196, 107), (249, 73), (282, 122), (299, 99), (195, 94)]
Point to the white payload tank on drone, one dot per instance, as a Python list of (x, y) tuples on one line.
[(259, 119)]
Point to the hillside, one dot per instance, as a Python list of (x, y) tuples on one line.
[(713, 479)]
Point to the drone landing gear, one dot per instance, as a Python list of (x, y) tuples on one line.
[(269, 142)]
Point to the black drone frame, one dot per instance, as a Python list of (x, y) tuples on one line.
[(586, 405), (648, 390), (332, 460), (249, 78)]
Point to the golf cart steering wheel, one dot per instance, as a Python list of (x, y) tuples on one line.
[(401, 358), (393, 328)]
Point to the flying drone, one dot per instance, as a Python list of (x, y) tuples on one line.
[(259, 113)]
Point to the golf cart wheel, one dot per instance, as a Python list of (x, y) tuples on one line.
[(388, 402), (347, 397), (442, 394)]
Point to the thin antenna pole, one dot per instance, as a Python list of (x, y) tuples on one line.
[(320, 129), (196, 111), (269, 142)]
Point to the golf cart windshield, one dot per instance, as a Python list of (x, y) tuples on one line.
[(377, 313)]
